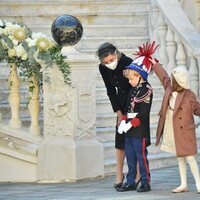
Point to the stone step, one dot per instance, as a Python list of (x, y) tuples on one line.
[(26, 122), (127, 18), (23, 110), (64, 1), (4, 75), (103, 30), (3, 83), (107, 134), (128, 52), (156, 161), (24, 95), (103, 106), (105, 119), (109, 148), (101, 93), (120, 42), (54, 8), (19, 143), (157, 158), (152, 79), (109, 119), (5, 70), (115, 30)]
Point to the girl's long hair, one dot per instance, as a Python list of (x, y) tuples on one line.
[(176, 87)]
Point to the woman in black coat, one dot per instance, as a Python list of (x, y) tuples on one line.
[(112, 68)]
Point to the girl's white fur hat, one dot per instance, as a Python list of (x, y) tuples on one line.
[(181, 75)]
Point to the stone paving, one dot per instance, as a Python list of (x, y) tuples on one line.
[(163, 180)]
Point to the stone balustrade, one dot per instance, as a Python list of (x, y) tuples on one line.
[(14, 100), (178, 39)]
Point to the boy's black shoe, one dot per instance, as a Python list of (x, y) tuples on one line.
[(126, 187), (138, 182), (144, 188)]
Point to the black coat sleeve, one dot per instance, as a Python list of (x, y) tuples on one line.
[(111, 90)]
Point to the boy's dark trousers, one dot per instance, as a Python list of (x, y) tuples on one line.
[(136, 151)]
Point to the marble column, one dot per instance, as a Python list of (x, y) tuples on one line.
[(70, 150)]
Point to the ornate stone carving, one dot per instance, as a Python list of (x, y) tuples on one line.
[(85, 123), (58, 104)]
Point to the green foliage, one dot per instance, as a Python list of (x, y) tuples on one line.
[(53, 55), (19, 45)]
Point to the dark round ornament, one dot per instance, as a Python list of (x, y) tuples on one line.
[(66, 30)]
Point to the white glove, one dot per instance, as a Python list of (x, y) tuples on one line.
[(127, 126), (120, 129), (135, 122)]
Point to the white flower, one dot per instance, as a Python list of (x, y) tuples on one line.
[(42, 42), (11, 28), (15, 42), (30, 42), (4, 44), (25, 56), (11, 53), (36, 36), (8, 24), (21, 52), (1, 30), (1, 23), (19, 34)]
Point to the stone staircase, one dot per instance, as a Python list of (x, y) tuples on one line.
[(18, 155), (122, 22)]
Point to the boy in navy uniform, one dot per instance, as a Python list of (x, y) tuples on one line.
[(135, 124)]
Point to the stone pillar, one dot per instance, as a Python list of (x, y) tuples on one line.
[(70, 150), (34, 106), (14, 97)]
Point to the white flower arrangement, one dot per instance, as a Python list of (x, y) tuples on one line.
[(19, 45)]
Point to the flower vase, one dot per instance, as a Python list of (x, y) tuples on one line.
[(14, 97), (34, 106)]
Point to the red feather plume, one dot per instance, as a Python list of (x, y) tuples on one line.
[(147, 51)]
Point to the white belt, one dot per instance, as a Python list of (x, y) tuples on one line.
[(131, 115)]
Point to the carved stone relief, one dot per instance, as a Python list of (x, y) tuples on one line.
[(86, 108), (58, 105)]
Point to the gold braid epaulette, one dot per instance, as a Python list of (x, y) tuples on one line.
[(142, 98)]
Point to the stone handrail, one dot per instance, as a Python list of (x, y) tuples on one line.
[(178, 40), (17, 143)]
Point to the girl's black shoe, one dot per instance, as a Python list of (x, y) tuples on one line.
[(119, 185)]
